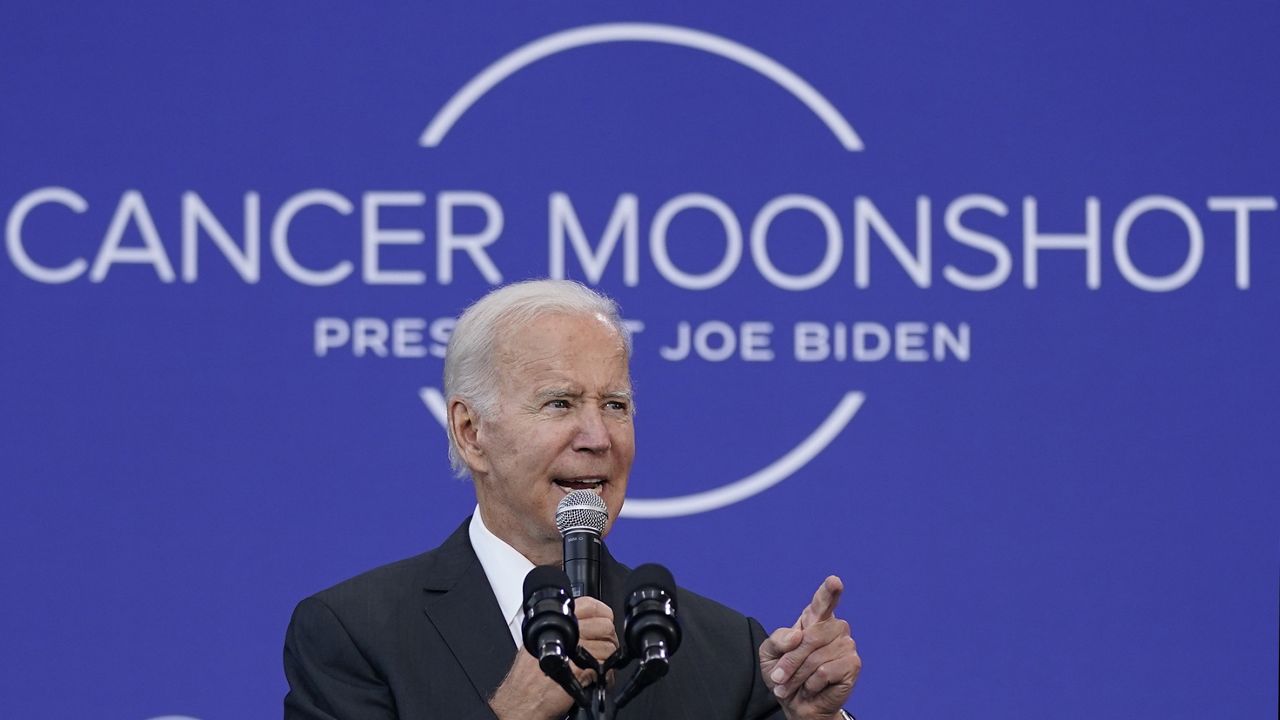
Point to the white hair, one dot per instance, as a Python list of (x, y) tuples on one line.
[(470, 367)]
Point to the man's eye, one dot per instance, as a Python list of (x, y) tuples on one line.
[(559, 404), (617, 405)]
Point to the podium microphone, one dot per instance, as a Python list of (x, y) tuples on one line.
[(550, 629), (581, 517), (650, 630)]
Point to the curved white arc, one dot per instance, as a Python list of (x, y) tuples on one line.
[(757, 482), (564, 40)]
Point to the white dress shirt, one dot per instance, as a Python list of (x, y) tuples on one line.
[(505, 568)]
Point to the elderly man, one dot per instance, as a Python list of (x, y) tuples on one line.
[(539, 404)]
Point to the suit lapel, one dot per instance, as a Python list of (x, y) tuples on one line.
[(461, 606), (613, 578)]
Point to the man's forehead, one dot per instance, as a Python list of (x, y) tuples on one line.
[(568, 352), (605, 374), (553, 335)]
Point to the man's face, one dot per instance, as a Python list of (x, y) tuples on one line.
[(563, 422)]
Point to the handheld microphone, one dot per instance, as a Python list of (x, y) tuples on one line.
[(650, 630), (550, 629), (581, 517)]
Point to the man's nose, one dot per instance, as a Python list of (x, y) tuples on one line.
[(593, 433)]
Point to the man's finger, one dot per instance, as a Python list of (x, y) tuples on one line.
[(598, 637), (823, 603), (584, 677), (815, 639), (841, 646), (597, 628), (589, 607), (841, 671), (779, 643)]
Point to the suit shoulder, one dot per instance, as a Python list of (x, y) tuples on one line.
[(404, 579), (392, 578), (705, 604), (711, 616)]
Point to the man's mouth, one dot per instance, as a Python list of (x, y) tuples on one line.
[(568, 485)]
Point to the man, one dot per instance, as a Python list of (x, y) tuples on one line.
[(539, 404)]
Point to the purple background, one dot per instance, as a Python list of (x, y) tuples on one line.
[(1078, 521)]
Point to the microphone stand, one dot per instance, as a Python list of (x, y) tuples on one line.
[(599, 704)]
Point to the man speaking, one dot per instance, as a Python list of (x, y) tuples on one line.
[(539, 402)]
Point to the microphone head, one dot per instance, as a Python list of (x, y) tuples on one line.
[(651, 575), (545, 576), (581, 510), (650, 630), (549, 628)]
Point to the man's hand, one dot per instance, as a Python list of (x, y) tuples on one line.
[(811, 667), (596, 633), (526, 693)]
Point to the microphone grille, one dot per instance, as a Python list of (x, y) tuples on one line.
[(581, 510)]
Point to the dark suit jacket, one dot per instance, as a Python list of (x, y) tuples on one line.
[(424, 638)]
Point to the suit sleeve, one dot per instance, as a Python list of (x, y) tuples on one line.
[(761, 705), (329, 677)]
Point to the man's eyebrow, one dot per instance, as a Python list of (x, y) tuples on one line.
[(553, 393), (557, 392)]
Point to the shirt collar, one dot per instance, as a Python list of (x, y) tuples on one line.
[(505, 568)]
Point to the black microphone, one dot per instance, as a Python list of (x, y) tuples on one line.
[(581, 517), (550, 629), (649, 630)]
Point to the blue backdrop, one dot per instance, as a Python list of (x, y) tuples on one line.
[(980, 298)]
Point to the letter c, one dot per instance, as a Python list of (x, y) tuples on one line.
[(13, 235)]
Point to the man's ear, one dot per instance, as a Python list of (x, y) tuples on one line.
[(464, 425)]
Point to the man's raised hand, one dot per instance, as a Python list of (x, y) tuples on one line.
[(811, 667)]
